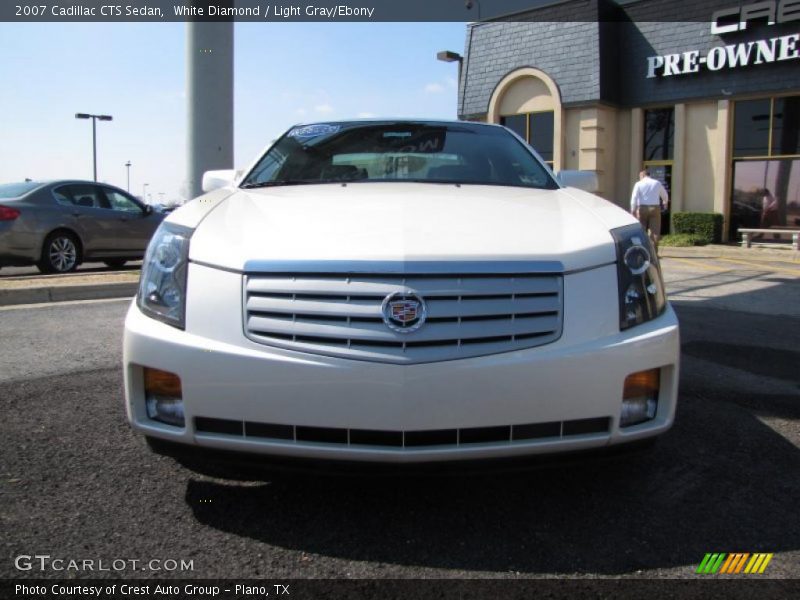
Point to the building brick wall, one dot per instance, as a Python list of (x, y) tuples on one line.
[(568, 52)]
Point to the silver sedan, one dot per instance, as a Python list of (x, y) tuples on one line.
[(57, 225)]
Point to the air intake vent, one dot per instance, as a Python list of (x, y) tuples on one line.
[(405, 439)]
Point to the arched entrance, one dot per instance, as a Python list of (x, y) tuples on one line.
[(528, 101)]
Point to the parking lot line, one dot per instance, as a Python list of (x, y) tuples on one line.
[(762, 266), (694, 263)]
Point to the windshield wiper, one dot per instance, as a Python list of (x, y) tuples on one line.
[(279, 182)]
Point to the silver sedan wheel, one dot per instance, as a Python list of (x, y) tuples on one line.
[(62, 254)]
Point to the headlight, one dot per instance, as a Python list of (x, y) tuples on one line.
[(162, 287), (641, 288)]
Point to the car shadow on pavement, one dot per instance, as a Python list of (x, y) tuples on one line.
[(720, 480)]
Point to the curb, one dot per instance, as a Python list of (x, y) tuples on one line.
[(64, 293)]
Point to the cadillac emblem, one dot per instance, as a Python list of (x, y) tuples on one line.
[(403, 312)]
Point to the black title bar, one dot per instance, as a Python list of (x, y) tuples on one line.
[(363, 10)]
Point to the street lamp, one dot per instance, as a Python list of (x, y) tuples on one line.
[(450, 56), (144, 192), (94, 133), (128, 166)]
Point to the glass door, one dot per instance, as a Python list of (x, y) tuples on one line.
[(659, 133), (662, 171)]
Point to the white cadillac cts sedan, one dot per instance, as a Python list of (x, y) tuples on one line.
[(399, 291)]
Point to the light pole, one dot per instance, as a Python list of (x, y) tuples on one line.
[(450, 56), (94, 133), (128, 166), (144, 192)]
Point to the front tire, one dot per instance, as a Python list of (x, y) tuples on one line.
[(115, 263), (60, 253)]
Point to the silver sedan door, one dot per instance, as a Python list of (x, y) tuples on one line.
[(135, 225), (99, 224)]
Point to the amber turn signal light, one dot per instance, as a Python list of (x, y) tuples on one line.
[(162, 383), (640, 397), (642, 383)]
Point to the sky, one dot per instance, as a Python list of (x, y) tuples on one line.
[(284, 73)]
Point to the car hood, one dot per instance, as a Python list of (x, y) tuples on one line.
[(247, 230)]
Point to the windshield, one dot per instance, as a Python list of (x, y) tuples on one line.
[(15, 190), (390, 151)]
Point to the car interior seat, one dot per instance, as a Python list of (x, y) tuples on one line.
[(343, 173)]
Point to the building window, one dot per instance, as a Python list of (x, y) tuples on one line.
[(785, 126), (536, 128), (659, 133), (751, 126), (516, 123), (766, 164)]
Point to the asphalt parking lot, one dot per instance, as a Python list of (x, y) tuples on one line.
[(76, 483)]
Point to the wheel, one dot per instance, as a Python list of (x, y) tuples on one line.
[(59, 253), (115, 263)]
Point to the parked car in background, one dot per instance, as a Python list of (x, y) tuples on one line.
[(399, 291), (57, 225)]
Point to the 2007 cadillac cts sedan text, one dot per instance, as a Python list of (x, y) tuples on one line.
[(399, 291)]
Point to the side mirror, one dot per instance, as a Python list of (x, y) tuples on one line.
[(583, 180), (147, 209), (214, 180)]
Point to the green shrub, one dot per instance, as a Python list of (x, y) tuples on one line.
[(706, 225), (682, 239)]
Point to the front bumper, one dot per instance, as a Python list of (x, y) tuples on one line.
[(575, 381)]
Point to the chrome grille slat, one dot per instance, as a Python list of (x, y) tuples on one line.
[(301, 306), (340, 314), (370, 330), (486, 308), (424, 286)]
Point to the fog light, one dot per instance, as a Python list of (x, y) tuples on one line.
[(640, 397), (165, 409), (163, 397)]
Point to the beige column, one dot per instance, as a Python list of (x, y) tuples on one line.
[(679, 158), (722, 163), (591, 150), (559, 135), (596, 143)]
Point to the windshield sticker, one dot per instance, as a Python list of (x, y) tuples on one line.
[(309, 131), (427, 141)]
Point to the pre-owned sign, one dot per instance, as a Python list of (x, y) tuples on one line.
[(785, 47), (769, 50)]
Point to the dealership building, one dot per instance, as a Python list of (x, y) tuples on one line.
[(710, 106)]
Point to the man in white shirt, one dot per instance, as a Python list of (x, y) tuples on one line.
[(647, 200)]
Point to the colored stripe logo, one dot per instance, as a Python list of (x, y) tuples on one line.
[(737, 563)]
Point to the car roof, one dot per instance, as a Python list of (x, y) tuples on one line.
[(50, 183), (41, 182), (400, 120), (86, 181)]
